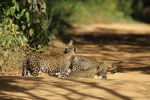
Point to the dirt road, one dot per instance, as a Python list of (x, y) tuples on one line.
[(127, 43), (49, 88)]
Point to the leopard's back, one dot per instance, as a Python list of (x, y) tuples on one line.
[(83, 63), (54, 63)]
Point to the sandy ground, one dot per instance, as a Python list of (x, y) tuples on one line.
[(128, 44), (50, 88)]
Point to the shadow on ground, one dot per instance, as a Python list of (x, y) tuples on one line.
[(17, 88), (110, 37)]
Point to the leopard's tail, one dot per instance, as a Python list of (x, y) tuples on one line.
[(24, 67)]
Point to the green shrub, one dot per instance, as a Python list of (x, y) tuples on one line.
[(10, 37), (44, 20), (90, 10)]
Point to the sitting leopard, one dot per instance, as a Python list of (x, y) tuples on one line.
[(36, 62), (100, 70)]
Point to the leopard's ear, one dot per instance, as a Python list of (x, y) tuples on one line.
[(70, 43), (75, 50)]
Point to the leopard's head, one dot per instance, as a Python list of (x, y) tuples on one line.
[(70, 48), (112, 67)]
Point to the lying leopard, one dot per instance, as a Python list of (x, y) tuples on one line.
[(100, 70)]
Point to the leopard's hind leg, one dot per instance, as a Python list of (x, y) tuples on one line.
[(24, 67)]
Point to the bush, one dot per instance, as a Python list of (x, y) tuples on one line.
[(90, 10), (43, 20), (23, 22)]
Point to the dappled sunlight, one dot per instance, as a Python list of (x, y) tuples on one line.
[(64, 89), (106, 30)]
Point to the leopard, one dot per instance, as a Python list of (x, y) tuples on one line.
[(53, 65), (100, 70), (106, 67), (83, 64)]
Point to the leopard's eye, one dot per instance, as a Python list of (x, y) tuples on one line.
[(66, 50)]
